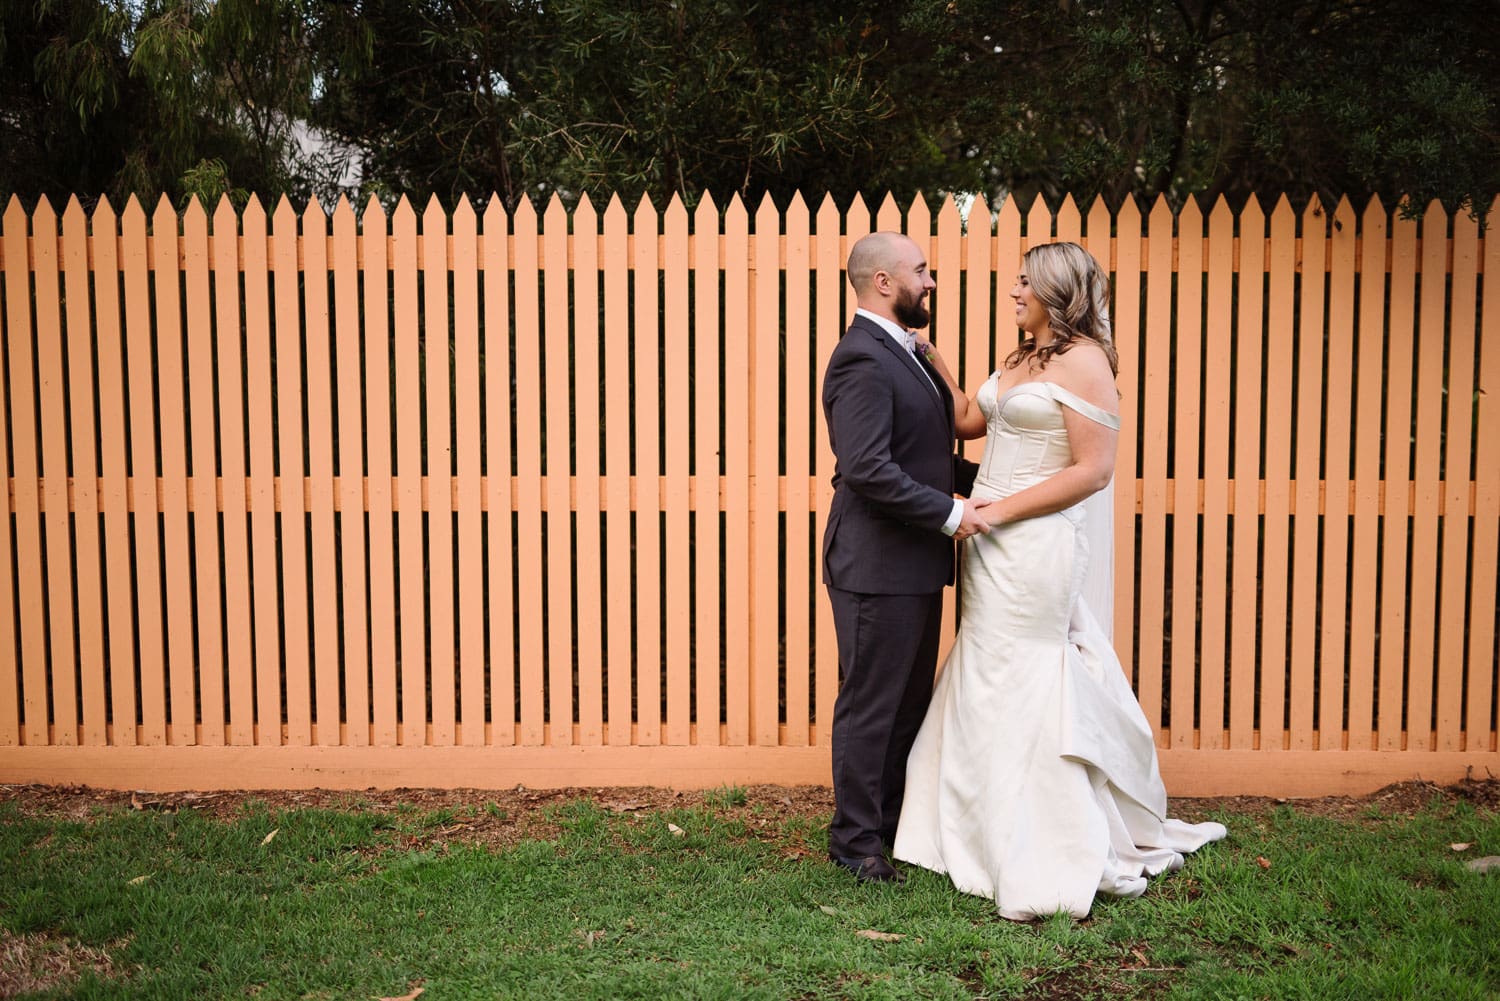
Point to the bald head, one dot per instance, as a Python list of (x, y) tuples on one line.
[(876, 252), (890, 278)]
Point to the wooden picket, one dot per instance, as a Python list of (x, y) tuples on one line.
[(354, 499)]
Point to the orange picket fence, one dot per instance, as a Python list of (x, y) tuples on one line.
[(478, 500)]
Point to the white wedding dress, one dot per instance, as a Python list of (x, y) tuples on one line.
[(1034, 779)]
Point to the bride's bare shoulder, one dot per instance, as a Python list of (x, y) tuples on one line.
[(1084, 369)]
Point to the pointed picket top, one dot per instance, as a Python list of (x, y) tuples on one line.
[(43, 220), (1372, 227), (584, 207), (706, 221), (828, 218), (195, 214), (735, 214), (1282, 213), (646, 223), (435, 223), (314, 213), (1435, 216), (1343, 217), (888, 215), (614, 213), (585, 218), (1190, 219), (315, 226), (1038, 222), (252, 207), (858, 216), (979, 211), (1129, 214), (73, 214), (1160, 220), (796, 209), (464, 207), (948, 216), (495, 217), (284, 219), (919, 222), (1251, 219), (767, 217), (15, 218), (1221, 211), (403, 212), (373, 215), (525, 215), (104, 219), (343, 213), (1069, 221), (555, 217), (1008, 216)]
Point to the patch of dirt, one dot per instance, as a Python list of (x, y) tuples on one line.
[(1398, 799), (35, 962), (493, 818), (499, 817)]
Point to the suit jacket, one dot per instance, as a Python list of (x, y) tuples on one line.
[(891, 429)]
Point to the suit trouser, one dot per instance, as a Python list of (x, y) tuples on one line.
[(888, 647)]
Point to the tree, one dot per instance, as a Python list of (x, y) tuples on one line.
[(1111, 98), (1141, 97), (601, 97), (162, 96)]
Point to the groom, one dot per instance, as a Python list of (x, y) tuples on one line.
[(888, 550)]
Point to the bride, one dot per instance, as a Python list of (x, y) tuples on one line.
[(1034, 778)]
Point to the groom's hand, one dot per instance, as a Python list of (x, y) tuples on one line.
[(972, 521)]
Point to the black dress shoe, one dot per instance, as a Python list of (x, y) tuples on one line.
[(870, 869)]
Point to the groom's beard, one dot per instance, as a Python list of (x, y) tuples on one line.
[(911, 313)]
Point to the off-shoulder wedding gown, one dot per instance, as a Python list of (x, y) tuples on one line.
[(1034, 779)]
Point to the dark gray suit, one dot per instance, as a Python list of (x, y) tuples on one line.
[(885, 563)]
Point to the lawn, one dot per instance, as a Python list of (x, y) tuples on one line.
[(721, 894)]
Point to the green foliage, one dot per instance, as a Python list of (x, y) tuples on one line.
[(655, 98)]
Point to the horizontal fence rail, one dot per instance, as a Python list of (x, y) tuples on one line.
[(476, 499)]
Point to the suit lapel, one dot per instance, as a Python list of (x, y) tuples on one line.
[(925, 376)]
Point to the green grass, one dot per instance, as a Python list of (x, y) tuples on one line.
[(740, 904)]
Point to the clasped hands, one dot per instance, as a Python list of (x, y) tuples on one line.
[(972, 521)]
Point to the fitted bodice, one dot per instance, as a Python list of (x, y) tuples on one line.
[(1026, 439)]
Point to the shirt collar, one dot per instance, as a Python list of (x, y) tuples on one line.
[(901, 336)]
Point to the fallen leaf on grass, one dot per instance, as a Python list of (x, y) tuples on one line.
[(1462, 846), (879, 936), (677, 832), (138, 880), (416, 992), (1262, 861), (267, 839), (830, 911)]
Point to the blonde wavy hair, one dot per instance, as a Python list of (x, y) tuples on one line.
[(1069, 282)]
